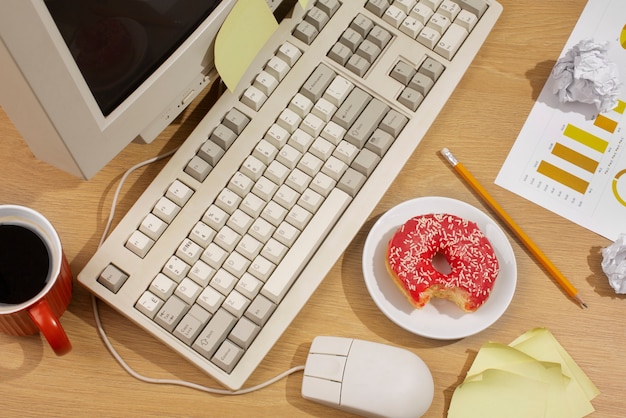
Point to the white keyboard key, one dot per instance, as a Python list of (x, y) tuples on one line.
[(240, 184), (312, 125), (322, 184), (239, 221), (248, 285), (253, 98), (277, 172), (301, 104), (338, 90), (286, 234), (433, 4), (152, 226), (286, 197), (236, 264), (175, 268), (148, 304), (249, 247), (324, 109), (236, 303), (274, 251), (449, 9), (162, 286), (394, 16), (298, 180), (261, 268), (210, 299), (288, 155), (188, 291), (265, 152), (289, 120), (226, 238), (139, 243), (261, 230), (428, 37), (274, 213), (228, 200), (189, 251), (286, 273), (421, 13), (346, 152), (411, 26), (215, 217), (179, 193), (466, 19), (223, 282), (404, 5), (252, 167), (201, 273), (334, 168), (265, 188), (252, 205), (299, 217), (310, 164), (310, 200), (300, 141), (439, 22), (451, 41), (276, 135), (333, 132), (288, 53), (277, 68), (202, 234), (265, 82), (166, 210), (214, 255), (322, 148)]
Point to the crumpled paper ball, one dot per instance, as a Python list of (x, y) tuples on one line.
[(585, 74), (614, 264)]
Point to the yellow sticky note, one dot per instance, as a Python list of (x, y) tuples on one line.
[(244, 32)]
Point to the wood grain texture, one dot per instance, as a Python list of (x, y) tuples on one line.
[(479, 124)]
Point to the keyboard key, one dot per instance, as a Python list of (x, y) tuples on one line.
[(265, 82), (318, 82), (210, 299), (451, 41), (179, 193), (227, 356), (236, 121), (223, 136), (210, 152), (214, 333), (260, 310), (201, 273), (289, 53), (162, 286), (254, 98), (188, 329), (188, 291), (175, 268), (112, 278), (274, 213), (236, 303), (351, 108), (394, 16), (244, 333), (152, 226), (148, 304), (166, 210), (139, 243), (171, 313)]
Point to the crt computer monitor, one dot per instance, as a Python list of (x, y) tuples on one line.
[(80, 79)]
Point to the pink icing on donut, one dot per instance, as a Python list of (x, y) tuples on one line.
[(467, 250)]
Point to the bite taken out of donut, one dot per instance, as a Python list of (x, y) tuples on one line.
[(471, 257)]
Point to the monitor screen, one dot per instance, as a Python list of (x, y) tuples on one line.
[(117, 44)]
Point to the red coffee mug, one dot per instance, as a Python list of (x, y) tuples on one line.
[(34, 290)]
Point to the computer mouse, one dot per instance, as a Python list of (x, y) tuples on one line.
[(367, 378)]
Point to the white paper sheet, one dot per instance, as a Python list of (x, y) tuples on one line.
[(567, 157)]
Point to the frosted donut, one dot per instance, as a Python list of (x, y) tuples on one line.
[(467, 250)]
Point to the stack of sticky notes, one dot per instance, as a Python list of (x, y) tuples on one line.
[(531, 377)]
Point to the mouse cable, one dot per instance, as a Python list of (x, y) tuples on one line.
[(113, 351)]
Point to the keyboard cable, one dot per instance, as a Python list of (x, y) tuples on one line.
[(113, 351)]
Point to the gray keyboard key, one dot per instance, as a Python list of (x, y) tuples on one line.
[(317, 83), (171, 313), (351, 181), (393, 123), (366, 123), (244, 332), (260, 310), (351, 108), (227, 356), (235, 121), (305, 32), (379, 142), (214, 333), (365, 162)]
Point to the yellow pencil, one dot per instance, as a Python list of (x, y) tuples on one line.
[(530, 245)]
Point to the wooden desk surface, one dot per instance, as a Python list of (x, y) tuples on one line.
[(479, 124)]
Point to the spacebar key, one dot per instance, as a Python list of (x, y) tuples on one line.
[(303, 249)]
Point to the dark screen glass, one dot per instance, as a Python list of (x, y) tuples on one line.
[(117, 44)]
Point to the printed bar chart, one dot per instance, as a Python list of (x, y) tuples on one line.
[(569, 158)]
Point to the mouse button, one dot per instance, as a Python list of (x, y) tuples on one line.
[(331, 345), (325, 366), (321, 390)]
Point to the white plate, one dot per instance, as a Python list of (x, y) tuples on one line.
[(440, 319)]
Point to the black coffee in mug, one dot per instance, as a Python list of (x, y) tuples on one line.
[(24, 264)]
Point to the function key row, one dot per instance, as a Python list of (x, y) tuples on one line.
[(315, 19)]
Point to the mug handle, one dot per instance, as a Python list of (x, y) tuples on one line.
[(50, 327)]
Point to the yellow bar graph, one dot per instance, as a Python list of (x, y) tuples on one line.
[(563, 177), (605, 123), (621, 107), (585, 138), (574, 157)]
